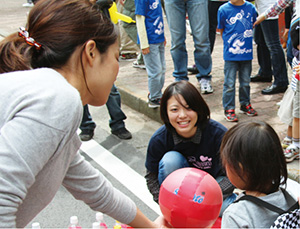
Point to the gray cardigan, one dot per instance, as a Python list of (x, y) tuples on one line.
[(39, 115)]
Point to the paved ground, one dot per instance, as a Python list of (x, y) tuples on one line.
[(132, 83)]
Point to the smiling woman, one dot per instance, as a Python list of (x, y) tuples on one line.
[(188, 138)]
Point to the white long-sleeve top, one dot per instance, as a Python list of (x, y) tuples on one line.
[(39, 115)]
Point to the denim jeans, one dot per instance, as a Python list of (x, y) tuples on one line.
[(197, 11), (213, 8), (271, 58), (231, 68), (113, 105), (174, 160), (156, 69)]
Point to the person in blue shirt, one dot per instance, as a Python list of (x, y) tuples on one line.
[(150, 27), (188, 138), (235, 21)]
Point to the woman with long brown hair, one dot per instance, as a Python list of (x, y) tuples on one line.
[(73, 53)]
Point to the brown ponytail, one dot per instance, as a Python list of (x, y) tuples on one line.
[(59, 27), (14, 54)]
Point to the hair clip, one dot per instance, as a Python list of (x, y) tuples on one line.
[(29, 40)]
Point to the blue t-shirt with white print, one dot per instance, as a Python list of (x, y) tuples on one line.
[(237, 22), (152, 11)]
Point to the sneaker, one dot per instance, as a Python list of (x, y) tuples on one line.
[(122, 133), (27, 5), (291, 153), (205, 86), (248, 110), (86, 136), (286, 142), (135, 64), (154, 103), (230, 115), (128, 56)]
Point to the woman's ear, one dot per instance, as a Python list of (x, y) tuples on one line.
[(90, 52)]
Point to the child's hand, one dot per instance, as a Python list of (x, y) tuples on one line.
[(165, 42), (145, 51), (259, 20)]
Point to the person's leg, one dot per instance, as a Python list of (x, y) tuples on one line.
[(213, 8), (170, 162), (271, 35), (116, 114), (230, 70), (198, 17), (228, 99), (155, 71), (176, 15), (244, 74), (87, 125), (293, 150), (245, 68), (263, 56)]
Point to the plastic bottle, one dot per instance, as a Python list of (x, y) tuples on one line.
[(74, 223), (100, 220), (36, 225)]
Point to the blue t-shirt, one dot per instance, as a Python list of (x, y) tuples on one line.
[(237, 22), (204, 156), (152, 11)]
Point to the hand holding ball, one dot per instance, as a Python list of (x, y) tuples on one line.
[(190, 197)]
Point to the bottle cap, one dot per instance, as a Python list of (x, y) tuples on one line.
[(74, 219), (99, 216), (35, 225), (96, 225)]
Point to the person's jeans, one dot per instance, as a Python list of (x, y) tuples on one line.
[(113, 105), (197, 11), (213, 8), (174, 160), (156, 69), (116, 114), (270, 53), (231, 68), (87, 124)]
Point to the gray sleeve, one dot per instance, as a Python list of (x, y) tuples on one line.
[(153, 185), (86, 183)]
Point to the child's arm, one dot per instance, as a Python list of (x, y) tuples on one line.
[(297, 69), (141, 28), (221, 32)]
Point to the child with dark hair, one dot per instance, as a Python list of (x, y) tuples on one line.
[(259, 169), (289, 111), (188, 138)]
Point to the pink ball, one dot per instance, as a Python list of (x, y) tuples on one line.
[(190, 197)]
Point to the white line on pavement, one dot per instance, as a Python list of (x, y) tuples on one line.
[(122, 172)]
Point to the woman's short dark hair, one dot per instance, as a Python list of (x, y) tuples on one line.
[(60, 27), (192, 97), (253, 151)]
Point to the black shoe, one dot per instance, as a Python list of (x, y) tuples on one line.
[(86, 136), (193, 69), (259, 78), (274, 89), (122, 133)]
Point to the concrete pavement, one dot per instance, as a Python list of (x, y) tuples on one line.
[(133, 83)]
